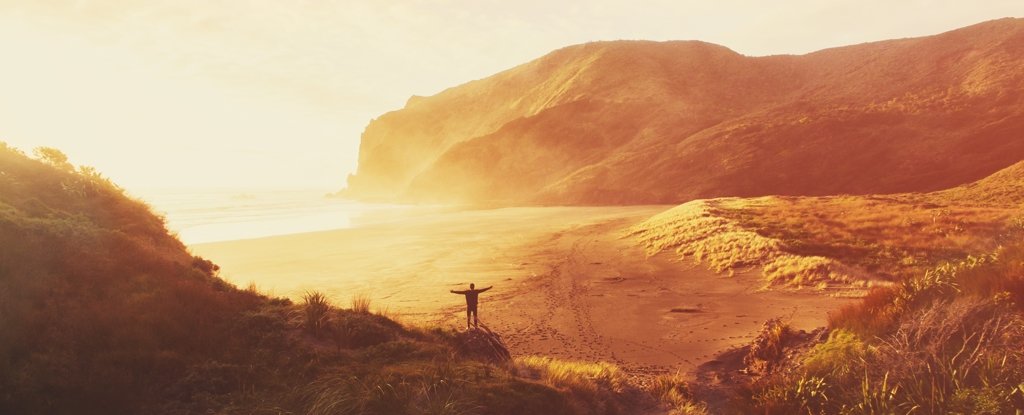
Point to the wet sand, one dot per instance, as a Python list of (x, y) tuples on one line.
[(566, 283)]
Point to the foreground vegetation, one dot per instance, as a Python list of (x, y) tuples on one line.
[(948, 341), (102, 311), (941, 327)]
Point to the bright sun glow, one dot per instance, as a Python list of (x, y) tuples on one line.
[(197, 94)]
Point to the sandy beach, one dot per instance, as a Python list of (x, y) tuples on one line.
[(566, 283)]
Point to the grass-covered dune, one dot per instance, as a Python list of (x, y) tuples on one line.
[(102, 312), (829, 240)]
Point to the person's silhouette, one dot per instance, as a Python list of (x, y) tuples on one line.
[(471, 300)]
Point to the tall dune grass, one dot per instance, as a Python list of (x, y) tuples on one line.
[(816, 241), (950, 340), (316, 310), (703, 230), (674, 391), (571, 374), (361, 303), (599, 387)]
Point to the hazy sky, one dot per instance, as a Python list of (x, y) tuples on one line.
[(256, 94)]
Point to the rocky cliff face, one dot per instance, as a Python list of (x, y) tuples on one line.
[(664, 122)]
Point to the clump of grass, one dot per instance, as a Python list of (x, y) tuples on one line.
[(598, 387), (361, 303), (767, 349), (572, 374), (804, 395), (317, 312), (389, 314), (868, 318), (675, 392), (838, 356), (799, 271)]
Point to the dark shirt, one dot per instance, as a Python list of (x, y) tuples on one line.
[(471, 296)]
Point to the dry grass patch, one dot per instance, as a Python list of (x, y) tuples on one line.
[(361, 303), (818, 241), (316, 309), (573, 375), (675, 393), (705, 231)]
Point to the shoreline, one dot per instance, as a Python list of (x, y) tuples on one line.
[(567, 283)]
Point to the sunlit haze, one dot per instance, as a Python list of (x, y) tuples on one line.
[(267, 94)]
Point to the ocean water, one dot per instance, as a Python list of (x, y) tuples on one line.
[(199, 216)]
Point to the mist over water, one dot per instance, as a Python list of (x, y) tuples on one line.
[(200, 216)]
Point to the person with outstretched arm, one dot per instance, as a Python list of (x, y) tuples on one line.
[(471, 301)]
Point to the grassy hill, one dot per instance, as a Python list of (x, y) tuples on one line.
[(102, 311), (826, 240), (635, 122)]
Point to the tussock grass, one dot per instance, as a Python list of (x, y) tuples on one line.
[(361, 303), (959, 356), (577, 376), (703, 230), (817, 241), (697, 229), (596, 388), (390, 314), (675, 392), (839, 356), (947, 341), (767, 349), (316, 309)]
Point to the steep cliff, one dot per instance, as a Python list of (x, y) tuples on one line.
[(633, 122)]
